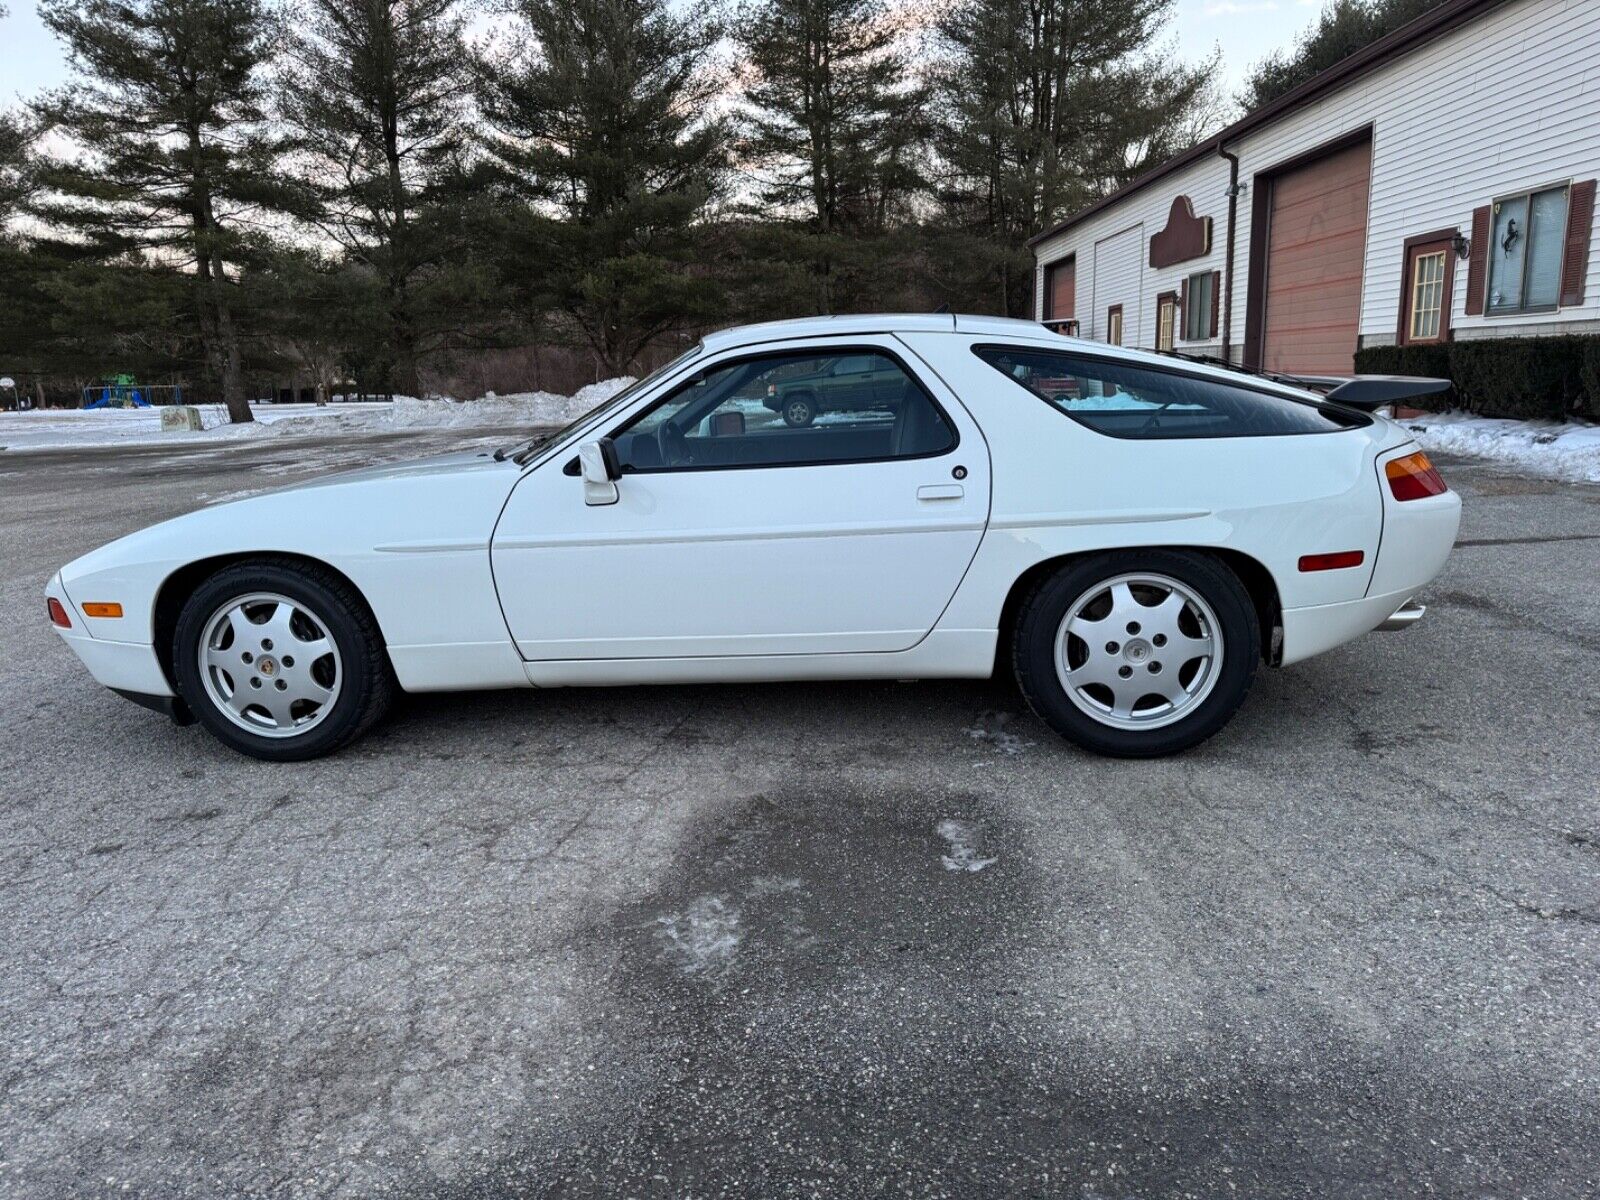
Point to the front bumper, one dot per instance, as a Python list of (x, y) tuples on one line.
[(121, 666)]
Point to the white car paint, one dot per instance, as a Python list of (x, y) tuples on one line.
[(485, 573)]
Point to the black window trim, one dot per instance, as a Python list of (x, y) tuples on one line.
[(1523, 308), (1349, 418), (791, 352), (1205, 324)]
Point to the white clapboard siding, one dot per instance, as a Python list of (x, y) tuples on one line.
[(1206, 185), (1508, 102), (1118, 277)]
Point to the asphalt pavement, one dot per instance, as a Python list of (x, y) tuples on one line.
[(792, 940)]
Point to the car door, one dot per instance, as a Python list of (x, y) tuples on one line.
[(735, 534)]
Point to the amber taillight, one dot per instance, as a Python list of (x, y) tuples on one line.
[(1414, 477)]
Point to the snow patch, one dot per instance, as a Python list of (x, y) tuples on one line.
[(964, 840), (55, 429), (704, 937), (991, 730), (1558, 450)]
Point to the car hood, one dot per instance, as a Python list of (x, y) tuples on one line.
[(438, 464)]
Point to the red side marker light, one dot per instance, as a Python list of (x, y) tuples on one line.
[(1332, 562), (1414, 477), (58, 615)]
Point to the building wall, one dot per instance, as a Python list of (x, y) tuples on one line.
[(1511, 101), (1206, 185)]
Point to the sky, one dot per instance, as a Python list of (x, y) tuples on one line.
[(1246, 30)]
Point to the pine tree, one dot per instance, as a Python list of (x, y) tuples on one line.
[(168, 104), (378, 96), (599, 128), (1342, 28), (834, 134), (1047, 105)]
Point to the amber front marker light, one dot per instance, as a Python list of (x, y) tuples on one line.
[(1414, 477), (1332, 562), (58, 614), (97, 608)]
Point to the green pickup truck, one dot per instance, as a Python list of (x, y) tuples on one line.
[(849, 383)]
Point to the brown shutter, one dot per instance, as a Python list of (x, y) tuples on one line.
[(1575, 256), (1478, 261), (1182, 331), (1216, 299)]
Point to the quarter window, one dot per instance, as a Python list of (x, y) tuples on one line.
[(1526, 236), (788, 410), (1128, 401)]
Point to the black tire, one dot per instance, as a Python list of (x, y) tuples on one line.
[(799, 410), (1034, 650), (367, 683)]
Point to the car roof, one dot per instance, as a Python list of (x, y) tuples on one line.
[(864, 323)]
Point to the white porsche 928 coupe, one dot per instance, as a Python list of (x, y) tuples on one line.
[(1130, 533)]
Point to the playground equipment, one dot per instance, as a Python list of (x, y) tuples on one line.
[(120, 391)]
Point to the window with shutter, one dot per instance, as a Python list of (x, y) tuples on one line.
[(1526, 248), (1200, 306)]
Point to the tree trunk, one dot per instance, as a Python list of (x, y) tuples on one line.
[(219, 340), (233, 393)]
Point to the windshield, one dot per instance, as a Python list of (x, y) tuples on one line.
[(522, 451)]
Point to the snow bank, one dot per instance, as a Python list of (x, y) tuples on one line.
[(52, 429), (1550, 448)]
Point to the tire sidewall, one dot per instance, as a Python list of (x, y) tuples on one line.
[(1035, 650), (344, 627)]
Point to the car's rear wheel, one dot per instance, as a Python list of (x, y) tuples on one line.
[(281, 661), (799, 411), (1137, 653)]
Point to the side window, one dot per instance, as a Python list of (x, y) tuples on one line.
[(793, 409), (1130, 401)]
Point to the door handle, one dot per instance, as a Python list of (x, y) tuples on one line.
[(941, 491)]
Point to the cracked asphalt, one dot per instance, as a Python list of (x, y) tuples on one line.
[(865, 939)]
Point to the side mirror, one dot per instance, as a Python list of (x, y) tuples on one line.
[(597, 463)]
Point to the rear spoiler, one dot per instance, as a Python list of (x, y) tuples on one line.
[(1370, 392), (1363, 392)]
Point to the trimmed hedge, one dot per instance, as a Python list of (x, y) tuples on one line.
[(1550, 377)]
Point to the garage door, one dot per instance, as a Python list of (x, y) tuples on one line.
[(1317, 237), (1061, 290)]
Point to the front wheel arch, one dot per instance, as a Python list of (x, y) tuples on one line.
[(1251, 572), (177, 587)]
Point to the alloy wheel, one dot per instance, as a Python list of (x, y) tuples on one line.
[(1138, 651)]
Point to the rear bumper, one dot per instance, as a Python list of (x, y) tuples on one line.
[(1308, 631)]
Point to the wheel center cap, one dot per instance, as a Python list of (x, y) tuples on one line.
[(266, 666), (1136, 651)]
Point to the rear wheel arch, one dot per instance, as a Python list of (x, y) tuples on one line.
[(1250, 572), (177, 587)]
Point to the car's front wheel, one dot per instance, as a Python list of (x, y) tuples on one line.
[(1137, 653), (281, 661)]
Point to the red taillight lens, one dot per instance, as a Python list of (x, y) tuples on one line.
[(58, 615), (1413, 477), (1331, 562)]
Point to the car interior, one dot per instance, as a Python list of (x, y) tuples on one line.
[(719, 420)]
